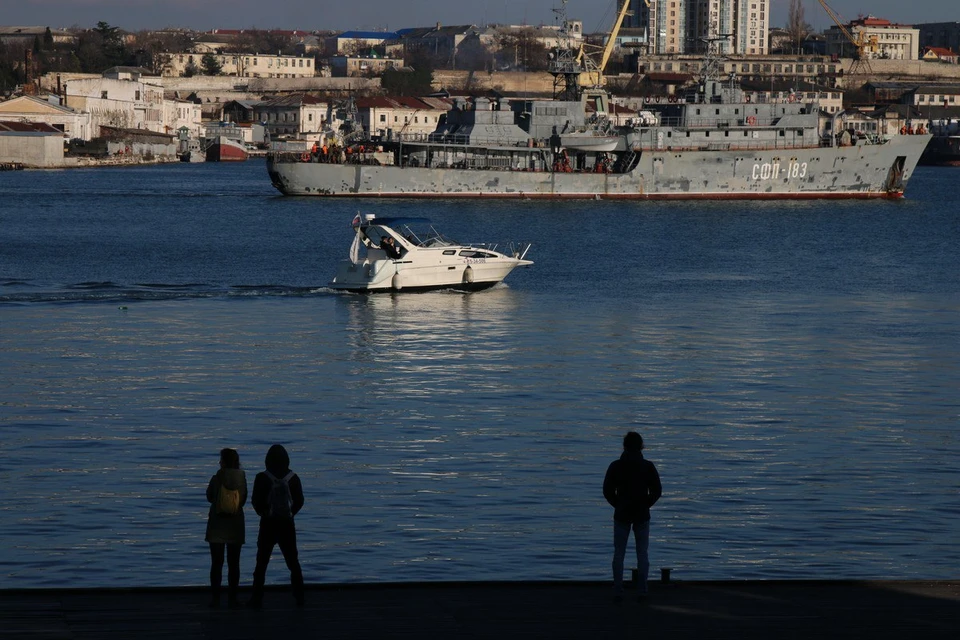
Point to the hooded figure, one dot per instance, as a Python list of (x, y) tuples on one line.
[(277, 498)]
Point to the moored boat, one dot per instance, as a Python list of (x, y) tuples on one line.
[(944, 146), (225, 149), (408, 254)]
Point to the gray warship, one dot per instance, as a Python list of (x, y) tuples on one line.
[(711, 142)]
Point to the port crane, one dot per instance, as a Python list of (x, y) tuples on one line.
[(861, 43), (582, 69)]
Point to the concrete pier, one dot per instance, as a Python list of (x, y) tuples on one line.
[(677, 610)]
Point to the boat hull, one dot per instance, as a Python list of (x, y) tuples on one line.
[(399, 275), (943, 151), (857, 171), (226, 150)]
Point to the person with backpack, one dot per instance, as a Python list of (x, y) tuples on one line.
[(631, 486), (226, 493), (277, 498)]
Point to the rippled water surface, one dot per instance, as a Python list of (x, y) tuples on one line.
[(793, 368)]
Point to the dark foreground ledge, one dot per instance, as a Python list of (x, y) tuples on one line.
[(742, 610)]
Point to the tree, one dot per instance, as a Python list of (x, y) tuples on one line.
[(190, 70), (409, 81), (210, 64), (473, 56), (797, 27), (522, 51)]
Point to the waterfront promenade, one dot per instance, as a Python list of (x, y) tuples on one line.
[(678, 610)]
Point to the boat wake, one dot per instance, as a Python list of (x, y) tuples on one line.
[(29, 292)]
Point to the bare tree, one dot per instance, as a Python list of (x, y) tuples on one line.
[(797, 26)]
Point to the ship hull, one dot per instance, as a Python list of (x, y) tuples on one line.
[(857, 171), (226, 150), (943, 151)]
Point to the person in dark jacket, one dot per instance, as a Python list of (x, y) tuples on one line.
[(276, 521), (631, 486), (226, 493)]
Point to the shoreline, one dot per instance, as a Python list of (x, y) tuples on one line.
[(709, 609)]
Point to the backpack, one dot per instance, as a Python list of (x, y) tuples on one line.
[(279, 501), (228, 501)]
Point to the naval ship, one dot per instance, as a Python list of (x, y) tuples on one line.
[(711, 142)]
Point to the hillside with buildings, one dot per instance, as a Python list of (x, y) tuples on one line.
[(103, 94)]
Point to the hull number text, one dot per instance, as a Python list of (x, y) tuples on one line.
[(777, 171)]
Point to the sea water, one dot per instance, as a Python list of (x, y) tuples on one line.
[(793, 367)]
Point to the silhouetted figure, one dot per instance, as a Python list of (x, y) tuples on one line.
[(390, 247), (277, 498), (631, 486), (226, 493)]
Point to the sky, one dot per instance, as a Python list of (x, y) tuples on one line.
[(389, 15)]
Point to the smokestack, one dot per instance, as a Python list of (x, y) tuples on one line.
[(29, 87)]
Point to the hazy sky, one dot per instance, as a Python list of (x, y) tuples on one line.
[(597, 15)]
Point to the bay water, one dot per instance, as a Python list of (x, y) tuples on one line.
[(793, 367)]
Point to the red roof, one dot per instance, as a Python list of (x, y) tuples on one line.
[(399, 102), (28, 127)]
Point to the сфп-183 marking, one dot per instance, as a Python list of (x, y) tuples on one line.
[(774, 171)]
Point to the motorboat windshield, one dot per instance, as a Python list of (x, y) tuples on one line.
[(417, 232)]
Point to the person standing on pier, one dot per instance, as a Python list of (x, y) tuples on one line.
[(277, 497), (226, 493), (631, 486)]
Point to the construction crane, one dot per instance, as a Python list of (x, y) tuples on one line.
[(593, 69), (861, 43), (573, 68)]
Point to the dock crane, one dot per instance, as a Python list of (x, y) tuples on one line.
[(861, 43), (576, 71)]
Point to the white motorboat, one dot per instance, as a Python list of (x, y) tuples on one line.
[(408, 254)]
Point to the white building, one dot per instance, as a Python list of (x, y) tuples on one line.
[(242, 65), (300, 115), (119, 98), (409, 117), (686, 26), (73, 123), (882, 39), (182, 113)]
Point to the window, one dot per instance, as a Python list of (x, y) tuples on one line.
[(383, 117), (103, 95)]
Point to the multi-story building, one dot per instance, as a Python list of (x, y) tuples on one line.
[(362, 66), (182, 113), (120, 98), (351, 43), (691, 26), (881, 39), (750, 26), (399, 116), (242, 65), (299, 115)]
